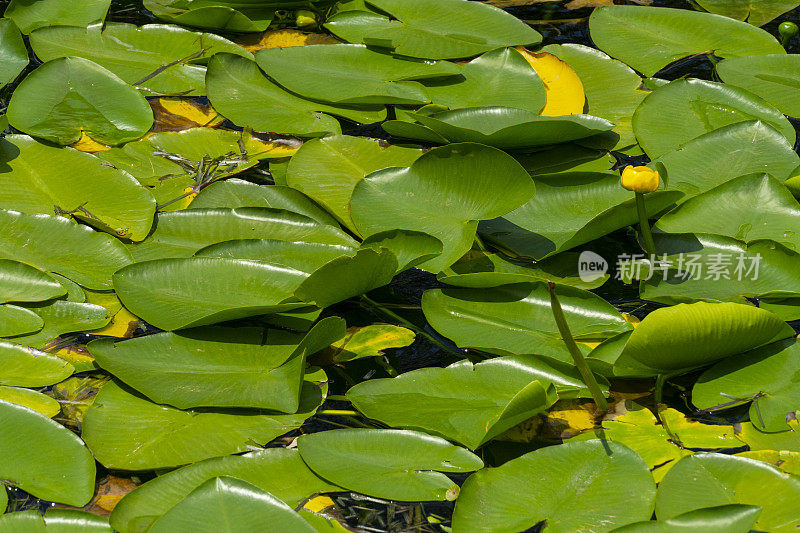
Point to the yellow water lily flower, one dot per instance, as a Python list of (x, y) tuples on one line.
[(639, 179)]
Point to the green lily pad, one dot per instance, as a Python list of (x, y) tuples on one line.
[(27, 367), (61, 317), (733, 518), (16, 320), (227, 15), (729, 152), (31, 15), (15, 55), (518, 319), (39, 178), (36, 401), (505, 127), (54, 521), (239, 90), (218, 367), (411, 248), (443, 193), (182, 233), (466, 403), (501, 77), (766, 378), (650, 38), (279, 471), (568, 210), (673, 340), (136, 52), (774, 78), (368, 341), (23, 283), (67, 96), (43, 457), (698, 107), (756, 12), (126, 431), (392, 464), (351, 74), (759, 440), (304, 256), (328, 169), (212, 504), (709, 479), (435, 29), (571, 491)]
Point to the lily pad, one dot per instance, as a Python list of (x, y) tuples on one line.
[(518, 319), (351, 74), (54, 521), (28, 367), (229, 15), (443, 193), (328, 169), (137, 54), (435, 29), (650, 38), (61, 317), (756, 12), (218, 367), (239, 90), (68, 96), (126, 431), (698, 107), (466, 403), (673, 340), (20, 282), (732, 518), (16, 320), (571, 492), (212, 504), (36, 401), (279, 471), (774, 78), (39, 178), (708, 479), (31, 15), (15, 55), (43, 457), (392, 464), (368, 341)]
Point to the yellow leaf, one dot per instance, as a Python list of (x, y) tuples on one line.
[(283, 39), (630, 319), (77, 356), (122, 324), (318, 504), (787, 461), (89, 145), (578, 4), (367, 341), (563, 88), (178, 114)]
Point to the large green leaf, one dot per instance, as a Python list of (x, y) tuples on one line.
[(54, 521), (443, 193), (61, 317), (756, 12), (392, 464), (67, 96), (611, 87), (39, 178), (329, 168), (239, 90), (182, 233), (304, 256), (726, 153), (570, 209), (218, 367), (126, 431), (230, 505), (43, 457), (709, 479), (465, 403), (731, 518), (30, 15), (567, 485), (673, 340), (20, 282), (14, 55), (506, 127), (15, 320), (27, 367), (351, 74), (135, 52), (279, 471), (227, 15), (697, 107), (518, 319), (748, 208), (438, 29), (37, 401), (650, 38), (767, 377), (774, 78), (501, 77)]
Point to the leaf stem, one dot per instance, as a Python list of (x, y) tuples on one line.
[(577, 356), (644, 225)]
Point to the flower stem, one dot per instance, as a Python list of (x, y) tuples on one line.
[(644, 225), (577, 356)]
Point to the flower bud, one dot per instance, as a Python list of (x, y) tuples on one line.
[(639, 179), (788, 31), (305, 18)]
